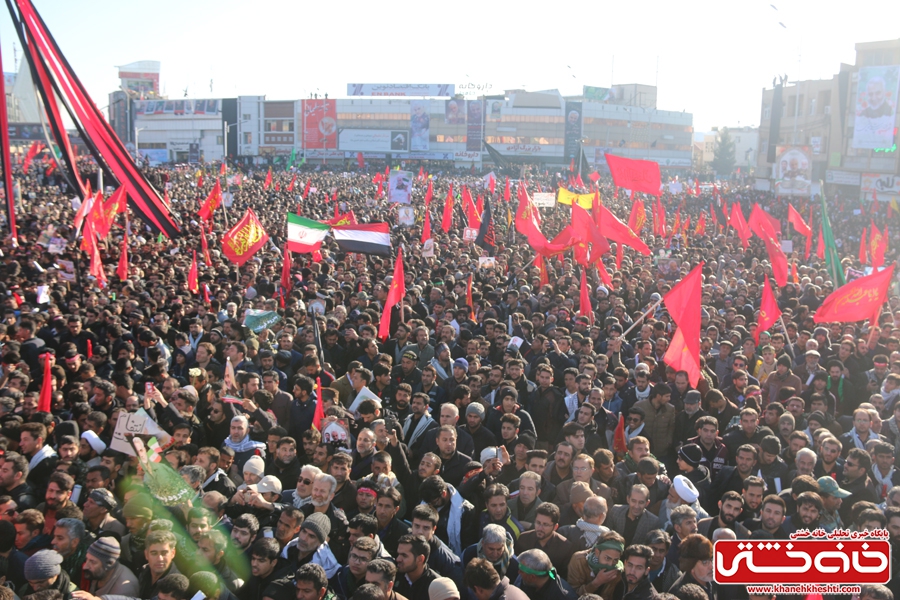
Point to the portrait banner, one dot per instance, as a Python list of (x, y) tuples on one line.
[(474, 128), (455, 112), (793, 171), (573, 129), (419, 125), (876, 105)]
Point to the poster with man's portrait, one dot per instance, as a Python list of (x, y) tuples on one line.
[(876, 105)]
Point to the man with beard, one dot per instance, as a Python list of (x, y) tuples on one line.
[(634, 583), (43, 572), (96, 514), (263, 560), (809, 510), (696, 564), (857, 482), (545, 535), (681, 493), (686, 420), (458, 523), (412, 563), (417, 423), (323, 489), (730, 507), (345, 493), (216, 428), (832, 498), (302, 494), (440, 558), (771, 518), (239, 440), (42, 458), (59, 490), (539, 578), (244, 530), (216, 480), (107, 575), (731, 479), (14, 481)]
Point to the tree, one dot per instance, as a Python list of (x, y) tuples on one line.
[(723, 158)]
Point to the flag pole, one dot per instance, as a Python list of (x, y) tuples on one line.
[(642, 317)]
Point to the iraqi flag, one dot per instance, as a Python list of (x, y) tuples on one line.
[(305, 235), (370, 238)]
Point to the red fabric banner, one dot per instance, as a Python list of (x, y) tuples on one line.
[(244, 239), (860, 299), (638, 175)]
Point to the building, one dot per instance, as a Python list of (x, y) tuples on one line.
[(845, 125), (704, 150), (181, 131)]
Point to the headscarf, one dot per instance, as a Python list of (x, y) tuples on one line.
[(593, 558)]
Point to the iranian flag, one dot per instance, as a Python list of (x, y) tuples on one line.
[(371, 238), (305, 235)]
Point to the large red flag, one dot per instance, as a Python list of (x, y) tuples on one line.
[(204, 245), (213, 200), (858, 300), (492, 183), (620, 442), (193, 280), (585, 309), (638, 175), (45, 400), (472, 214), (863, 258), (290, 186), (526, 224), (877, 245), (585, 232), (638, 217), (447, 221), (268, 182), (306, 188), (394, 296), (429, 193), (286, 283), (319, 412), (758, 219), (776, 254), (740, 225), (796, 219), (541, 263), (769, 313), (617, 231), (683, 304), (661, 209), (426, 228), (820, 249), (244, 239)]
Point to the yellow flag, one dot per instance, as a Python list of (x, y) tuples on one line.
[(584, 200)]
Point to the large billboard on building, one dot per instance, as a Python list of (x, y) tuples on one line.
[(573, 129), (374, 140), (876, 105), (140, 78), (178, 107), (474, 129), (400, 89), (793, 171), (419, 125), (885, 185), (319, 124)]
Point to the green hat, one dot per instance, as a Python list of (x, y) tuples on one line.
[(829, 487), (137, 508)]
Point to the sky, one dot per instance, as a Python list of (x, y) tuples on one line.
[(709, 58)]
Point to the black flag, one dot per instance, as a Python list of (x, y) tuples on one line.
[(486, 238)]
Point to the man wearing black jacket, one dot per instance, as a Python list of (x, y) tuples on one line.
[(412, 566)]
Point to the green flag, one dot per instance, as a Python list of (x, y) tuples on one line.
[(293, 157), (303, 161), (832, 259)]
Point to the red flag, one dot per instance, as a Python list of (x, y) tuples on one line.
[(306, 189), (492, 183), (860, 299), (29, 156), (244, 239), (740, 225), (429, 193), (506, 190), (46, 397), (585, 309), (290, 186), (472, 214), (286, 282), (863, 255), (421, 173), (199, 179), (387, 172), (360, 161), (877, 245), (193, 279), (639, 175), (637, 218), (380, 188), (541, 263), (796, 219), (595, 176), (618, 231), (620, 443), (394, 296), (696, 187), (758, 219), (223, 169), (122, 268), (585, 232), (572, 165), (277, 186), (776, 254), (426, 228), (447, 221), (86, 204), (794, 277), (479, 206), (701, 225), (661, 209), (820, 250), (527, 225), (769, 313), (712, 214), (90, 350), (96, 269), (213, 200), (319, 413), (469, 301), (204, 245), (268, 182), (683, 304)]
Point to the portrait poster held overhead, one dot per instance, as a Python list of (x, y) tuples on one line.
[(793, 171), (400, 187), (876, 105)]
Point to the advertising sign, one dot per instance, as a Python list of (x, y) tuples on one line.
[(178, 107), (419, 125), (374, 140), (876, 104), (842, 177), (793, 171), (876, 182), (475, 119), (154, 156), (319, 124), (573, 129), (400, 187), (400, 89)]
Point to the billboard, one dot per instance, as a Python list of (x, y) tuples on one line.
[(793, 171), (211, 108), (595, 94), (882, 184), (455, 112), (374, 140), (876, 104), (400, 187), (400, 89), (475, 120), (319, 124), (419, 125), (573, 129)]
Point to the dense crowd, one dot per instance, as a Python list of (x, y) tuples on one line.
[(473, 454)]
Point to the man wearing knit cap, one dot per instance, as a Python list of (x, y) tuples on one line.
[(311, 545), (772, 467), (97, 507), (443, 588), (43, 572), (137, 515), (474, 426), (107, 575), (571, 512)]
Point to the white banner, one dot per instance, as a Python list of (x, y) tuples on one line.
[(374, 140), (842, 177), (883, 184), (136, 423), (544, 200), (401, 89)]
